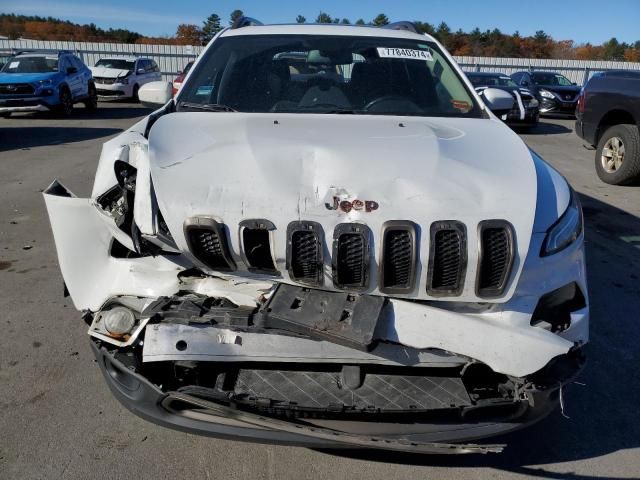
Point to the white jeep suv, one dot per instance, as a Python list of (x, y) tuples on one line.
[(327, 239), (122, 77)]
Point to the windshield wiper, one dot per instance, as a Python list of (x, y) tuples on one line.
[(209, 107)]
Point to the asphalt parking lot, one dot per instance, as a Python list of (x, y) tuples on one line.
[(58, 419)]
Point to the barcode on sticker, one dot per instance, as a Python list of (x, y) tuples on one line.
[(406, 53)]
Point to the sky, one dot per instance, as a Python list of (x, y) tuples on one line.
[(593, 21)]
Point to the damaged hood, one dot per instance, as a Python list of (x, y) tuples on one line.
[(288, 167), (108, 72)]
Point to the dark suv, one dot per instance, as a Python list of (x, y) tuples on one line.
[(608, 118), (555, 92)]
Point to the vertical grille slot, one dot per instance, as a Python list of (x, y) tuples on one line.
[(350, 260), (398, 258), (207, 241), (496, 257), (255, 238), (447, 259), (305, 252)]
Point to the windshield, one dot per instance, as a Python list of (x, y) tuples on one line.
[(551, 79), (31, 64), (328, 74), (491, 81), (118, 63)]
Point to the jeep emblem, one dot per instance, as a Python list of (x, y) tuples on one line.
[(356, 204)]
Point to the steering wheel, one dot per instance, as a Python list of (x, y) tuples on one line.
[(380, 101)]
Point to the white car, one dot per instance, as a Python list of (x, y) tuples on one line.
[(122, 77), (327, 239)]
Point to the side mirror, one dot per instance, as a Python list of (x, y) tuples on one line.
[(498, 101), (72, 70), (524, 83), (140, 71), (155, 94), (574, 83)]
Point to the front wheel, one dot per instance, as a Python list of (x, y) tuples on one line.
[(134, 96), (91, 103), (618, 155), (65, 107)]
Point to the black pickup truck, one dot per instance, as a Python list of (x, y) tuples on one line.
[(608, 118)]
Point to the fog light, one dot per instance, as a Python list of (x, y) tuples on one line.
[(118, 321)]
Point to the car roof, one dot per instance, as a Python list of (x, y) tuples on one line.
[(487, 74), (41, 54), (128, 58), (621, 73), (325, 29)]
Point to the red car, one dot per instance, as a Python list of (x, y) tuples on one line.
[(177, 83)]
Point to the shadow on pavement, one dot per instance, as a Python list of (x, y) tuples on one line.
[(28, 137), (106, 111), (545, 128), (603, 413)]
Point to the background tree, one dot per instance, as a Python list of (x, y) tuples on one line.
[(424, 27), (345, 21), (210, 27), (381, 20), (188, 34), (614, 50), (236, 14), (443, 33), (324, 18), (474, 43)]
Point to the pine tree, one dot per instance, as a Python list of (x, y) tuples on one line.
[(210, 27)]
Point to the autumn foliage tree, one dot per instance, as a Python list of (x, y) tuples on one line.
[(488, 43), (188, 34)]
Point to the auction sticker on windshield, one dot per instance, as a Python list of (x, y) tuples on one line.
[(406, 53)]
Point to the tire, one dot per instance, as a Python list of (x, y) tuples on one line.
[(618, 155), (134, 96), (66, 103), (91, 103)]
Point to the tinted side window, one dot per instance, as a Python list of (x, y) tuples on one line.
[(517, 77), (154, 66), (64, 64), (77, 62)]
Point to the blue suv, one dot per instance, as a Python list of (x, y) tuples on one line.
[(36, 81)]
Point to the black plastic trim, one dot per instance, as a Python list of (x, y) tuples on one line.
[(403, 25), (207, 223), (461, 229), (351, 229), (410, 228), (316, 228), (245, 22), (492, 292), (257, 224)]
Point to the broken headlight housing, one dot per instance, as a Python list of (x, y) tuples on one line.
[(566, 230)]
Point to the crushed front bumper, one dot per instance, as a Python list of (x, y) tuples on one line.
[(116, 90), (195, 414)]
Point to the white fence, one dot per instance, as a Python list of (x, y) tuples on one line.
[(578, 71), (172, 58)]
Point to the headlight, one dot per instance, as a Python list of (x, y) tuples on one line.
[(533, 103), (566, 230), (123, 81), (546, 93)]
